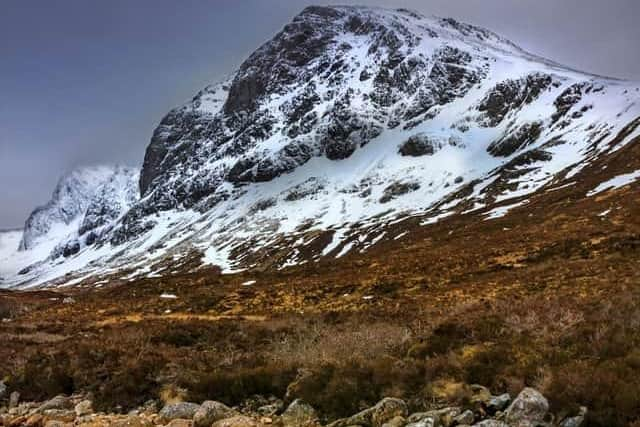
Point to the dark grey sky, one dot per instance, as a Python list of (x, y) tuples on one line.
[(85, 82)]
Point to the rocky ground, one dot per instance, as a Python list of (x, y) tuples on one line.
[(528, 409)]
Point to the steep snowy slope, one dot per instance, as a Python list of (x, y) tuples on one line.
[(348, 120), (9, 243), (68, 202), (83, 207)]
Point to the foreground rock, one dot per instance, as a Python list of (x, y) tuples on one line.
[(209, 412), (529, 409), (237, 421), (300, 414), (384, 411), (182, 410)]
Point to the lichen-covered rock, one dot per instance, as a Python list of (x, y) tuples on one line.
[(84, 407), (60, 402), (424, 420), (384, 411), (237, 421), (528, 409), (575, 421), (467, 417), (498, 403), (182, 410), (209, 412), (299, 414), (395, 422), (14, 399), (491, 423)]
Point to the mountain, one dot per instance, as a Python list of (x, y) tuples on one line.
[(349, 123), (84, 205)]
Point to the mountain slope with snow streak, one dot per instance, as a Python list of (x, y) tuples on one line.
[(351, 119), (84, 205)]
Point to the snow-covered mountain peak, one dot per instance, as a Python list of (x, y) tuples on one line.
[(84, 204), (348, 120), (70, 198)]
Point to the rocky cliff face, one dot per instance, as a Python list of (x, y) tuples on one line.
[(74, 193), (83, 207), (356, 102), (352, 117), (326, 85)]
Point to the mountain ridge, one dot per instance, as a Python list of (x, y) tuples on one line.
[(349, 119)]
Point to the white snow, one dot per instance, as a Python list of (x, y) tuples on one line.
[(615, 182), (501, 211), (230, 233), (168, 296)]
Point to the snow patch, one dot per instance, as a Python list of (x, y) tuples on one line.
[(615, 182)]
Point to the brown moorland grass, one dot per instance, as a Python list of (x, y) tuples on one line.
[(548, 296)]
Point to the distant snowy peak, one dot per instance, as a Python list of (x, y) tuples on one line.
[(86, 197), (337, 78)]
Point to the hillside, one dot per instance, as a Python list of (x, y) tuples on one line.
[(349, 121)]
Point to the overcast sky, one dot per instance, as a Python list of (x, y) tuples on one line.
[(85, 82)]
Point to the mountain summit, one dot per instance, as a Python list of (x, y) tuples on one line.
[(348, 121)]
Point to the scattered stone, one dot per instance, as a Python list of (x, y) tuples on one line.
[(14, 399), (423, 419), (180, 423), (182, 410), (34, 420), (64, 415), (480, 395), (300, 414), (384, 411), (270, 409), (498, 403), (209, 412), (149, 407), (19, 421), (447, 415), (577, 421), (491, 423), (528, 409), (59, 402), (68, 300), (3, 390), (466, 417), (85, 407), (395, 422), (237, 421)]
